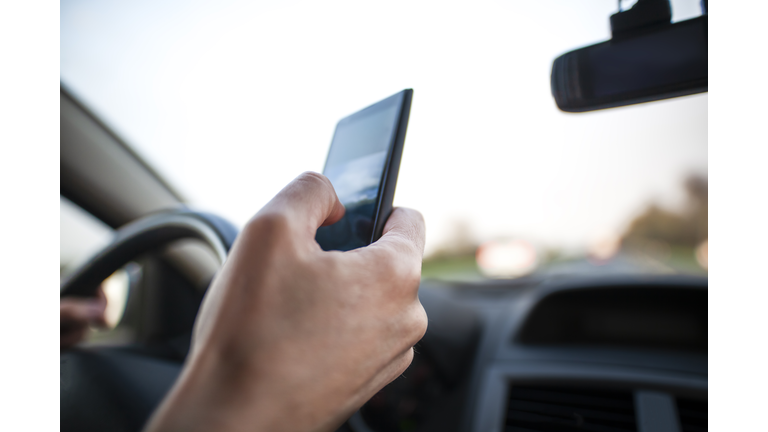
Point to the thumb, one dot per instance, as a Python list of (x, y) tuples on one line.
[(308, 202)]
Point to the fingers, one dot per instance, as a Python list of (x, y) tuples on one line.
[(84, 311), (75, 314), (100, 296), (404, 235), (308, 202), (101, 299)]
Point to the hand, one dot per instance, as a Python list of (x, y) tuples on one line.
[(76, 314), (290, 337)]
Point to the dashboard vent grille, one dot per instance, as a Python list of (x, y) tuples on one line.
[(693, 415), (547, 409)]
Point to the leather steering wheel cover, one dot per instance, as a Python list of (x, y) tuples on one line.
[(144, 235)]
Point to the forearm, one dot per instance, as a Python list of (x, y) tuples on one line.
[(204, 400), (214, 395)]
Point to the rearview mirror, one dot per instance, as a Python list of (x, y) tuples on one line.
[(647, 64)]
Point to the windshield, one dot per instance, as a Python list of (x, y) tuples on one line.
[(230, 100)]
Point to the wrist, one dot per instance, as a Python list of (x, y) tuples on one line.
[(208, 395)]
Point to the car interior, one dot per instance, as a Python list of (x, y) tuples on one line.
[(545, 351)]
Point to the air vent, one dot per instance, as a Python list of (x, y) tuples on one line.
[(564, 409), (693, 415)]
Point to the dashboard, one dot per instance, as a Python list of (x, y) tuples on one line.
[(618, 353), (556, 353)]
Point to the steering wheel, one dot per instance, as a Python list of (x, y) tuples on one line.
[(144, 235), (116, 388)]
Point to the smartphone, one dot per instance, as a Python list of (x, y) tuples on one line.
[(362, 165)]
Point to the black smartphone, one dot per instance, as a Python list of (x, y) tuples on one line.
[(362, 165)]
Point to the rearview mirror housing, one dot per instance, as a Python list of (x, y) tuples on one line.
[(648, 64)]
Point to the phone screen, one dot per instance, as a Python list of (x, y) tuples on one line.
[(355, 167)]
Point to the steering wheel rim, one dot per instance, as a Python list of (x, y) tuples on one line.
[(146, 234)]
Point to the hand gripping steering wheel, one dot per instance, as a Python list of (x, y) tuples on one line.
[(117, 388)]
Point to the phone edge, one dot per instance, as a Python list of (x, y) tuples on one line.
[(392, 170)]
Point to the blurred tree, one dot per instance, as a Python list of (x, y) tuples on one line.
[(688, 227), (698, 205), (454, 259), (460, 241)]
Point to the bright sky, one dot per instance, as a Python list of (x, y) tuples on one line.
[(230, 100)]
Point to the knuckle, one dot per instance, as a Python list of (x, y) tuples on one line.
[(409, 273), (409, 244), (402, 277), (411, 224), (415, 216), (405, 360), (413, 325), (319, 185), (401, 267), (414, 272), (417, 323), (389, 265), (314, 178)]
